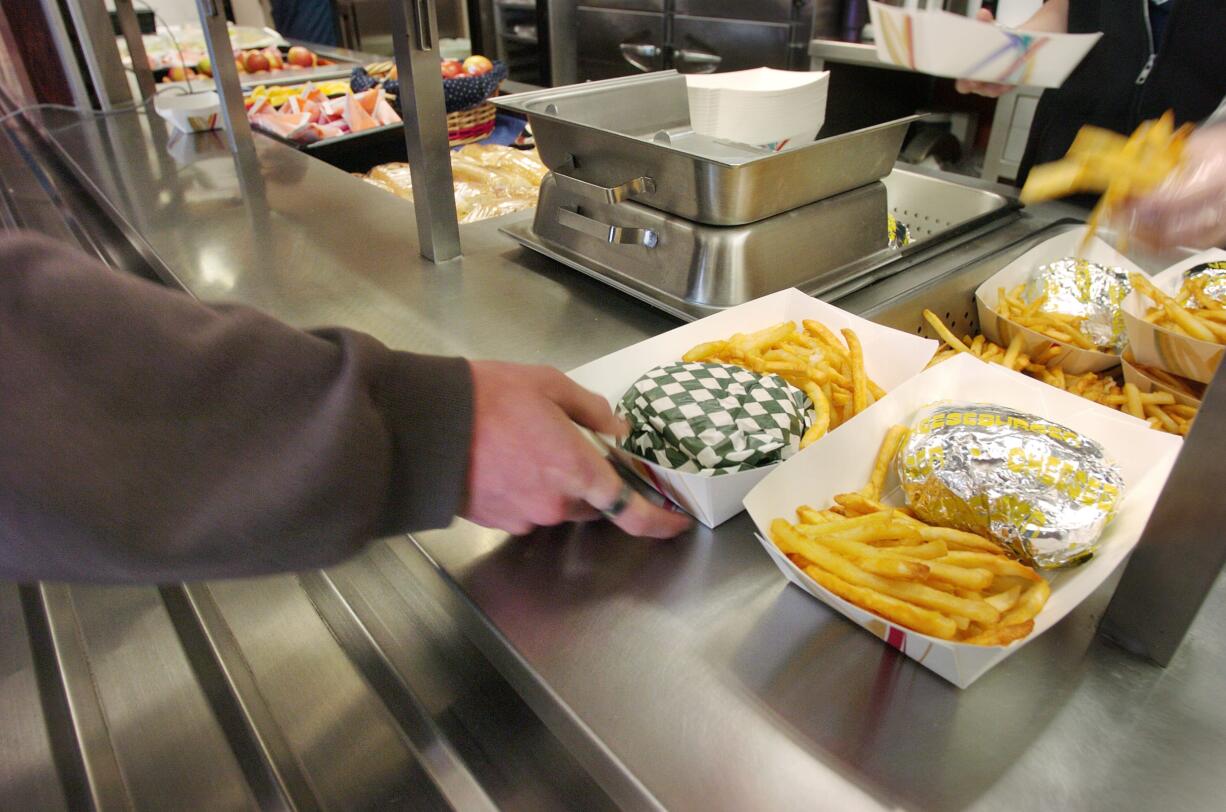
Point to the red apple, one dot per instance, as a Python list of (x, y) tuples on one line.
[(300, 57), (256, 62), (275, 62), (452, 68), (238, 63), (476, 65)]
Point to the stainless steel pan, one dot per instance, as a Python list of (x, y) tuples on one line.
[(630, 139)]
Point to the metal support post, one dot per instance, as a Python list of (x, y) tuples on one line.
[(136, 47), (1183, 549), (414, 34), (225, 74), (96, 38)]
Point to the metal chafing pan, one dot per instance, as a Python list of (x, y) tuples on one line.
[(630, 139), (828, 248)]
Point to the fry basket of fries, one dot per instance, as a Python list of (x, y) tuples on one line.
[(903, 596), (877, 359), (1175, 322), (1148, 380), (1006, 312)]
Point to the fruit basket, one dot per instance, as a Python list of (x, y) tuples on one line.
[(466, 92), (473, 124)]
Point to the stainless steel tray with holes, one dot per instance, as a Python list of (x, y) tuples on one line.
[(829, 248), (630, 139)]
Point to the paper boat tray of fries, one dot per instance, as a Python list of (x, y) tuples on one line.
[(890, 357), (844, 462), (1074, 359), (1187, 340)]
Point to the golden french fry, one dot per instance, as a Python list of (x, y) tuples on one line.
[(900, 569), (905, 614), (808, 515), (1001, 635), (960, 540), (881, 465), (1004, 601), (944, 332), (1029, 604), (859, 379), (909, 591), (996, 564), (704, 351)]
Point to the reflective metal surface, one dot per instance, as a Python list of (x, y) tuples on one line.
[(682, 675)]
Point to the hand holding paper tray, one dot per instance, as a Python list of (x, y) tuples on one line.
[(957, 47)]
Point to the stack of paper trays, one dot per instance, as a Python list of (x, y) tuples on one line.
[(776, 109), (944, 44)]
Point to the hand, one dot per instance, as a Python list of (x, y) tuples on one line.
[(992, 90), (530, 466), (1189, 207)]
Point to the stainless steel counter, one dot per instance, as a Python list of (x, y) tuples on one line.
[(575, 668)]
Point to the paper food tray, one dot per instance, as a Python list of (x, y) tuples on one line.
[(1137, 376), (774, 108), (1159, 347), (844, 462), (950, 45), (1001, 330), (890, 357)]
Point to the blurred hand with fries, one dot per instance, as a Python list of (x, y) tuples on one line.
[(1189, 207)]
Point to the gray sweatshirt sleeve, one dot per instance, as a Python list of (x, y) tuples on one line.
[(147, 437)]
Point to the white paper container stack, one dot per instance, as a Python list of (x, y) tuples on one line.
[(1073, 359), (191, 112), (777, 109), (843, 462), (890, 357), (944, 44), (1159, 347)]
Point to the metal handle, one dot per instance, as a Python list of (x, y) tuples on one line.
[(614, 235), (642, 55), (702, 61), (642, 185)]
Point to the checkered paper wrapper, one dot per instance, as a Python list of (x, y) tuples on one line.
[(713, 419)]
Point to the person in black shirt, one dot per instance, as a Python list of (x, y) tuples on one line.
[(1154, 56)]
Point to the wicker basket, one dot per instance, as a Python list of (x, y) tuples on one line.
[(473, 124)]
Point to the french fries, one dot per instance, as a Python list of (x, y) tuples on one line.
[(1206, 320), (1157, 408), (942, 582), (1117, 166), (1059, 326), (811, 358)]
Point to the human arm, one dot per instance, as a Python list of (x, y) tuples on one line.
[(1051, 18), (147, 437)]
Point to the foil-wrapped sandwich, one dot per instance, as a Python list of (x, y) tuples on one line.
[(1037, 488), (1209, 278), (1095, 293), (713, 419)]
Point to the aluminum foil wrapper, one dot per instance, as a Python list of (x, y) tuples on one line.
[(1214, 276), (1039, 489), (1078, 287)]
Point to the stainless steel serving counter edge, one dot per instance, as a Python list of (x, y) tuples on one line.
[(681, 675)]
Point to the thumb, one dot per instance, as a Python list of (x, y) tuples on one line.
[(584, 407), (984, 15)]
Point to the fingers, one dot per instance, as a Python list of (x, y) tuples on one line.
[(640, 517), (984, 15), (990, 89), (585, 408)]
